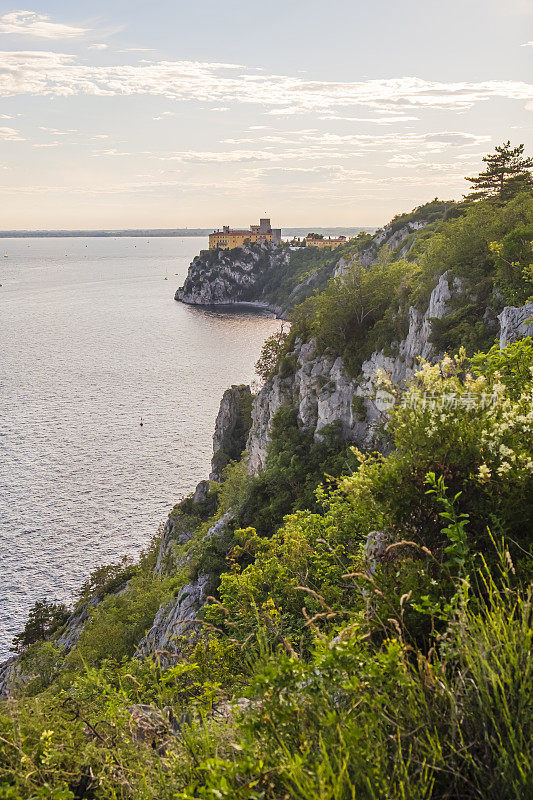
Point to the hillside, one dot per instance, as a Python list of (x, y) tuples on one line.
[(343, 609), (280, 277)]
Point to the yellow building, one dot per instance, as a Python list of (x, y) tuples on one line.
[(228, 237), (313, 241)]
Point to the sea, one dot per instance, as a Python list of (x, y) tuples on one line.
[(91, 341)]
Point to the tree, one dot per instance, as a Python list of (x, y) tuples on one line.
[(506, 174), (44, 618), (273, 349)]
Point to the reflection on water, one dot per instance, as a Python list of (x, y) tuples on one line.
[(91, 341)]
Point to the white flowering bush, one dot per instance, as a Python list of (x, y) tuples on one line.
[(473, 429), (457, 412)]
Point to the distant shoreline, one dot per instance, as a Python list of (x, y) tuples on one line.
[(155, 232), (105, 234)]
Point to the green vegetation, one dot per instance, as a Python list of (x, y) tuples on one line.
[(354, 314), (369, 627), (409, 676), (487, 251), (507, 173), (295, 465), (44, 619), (428, 213), (304, 270)]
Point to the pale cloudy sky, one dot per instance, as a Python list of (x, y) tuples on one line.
[(128, 113)]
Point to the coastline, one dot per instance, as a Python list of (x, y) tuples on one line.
[(234, 305)]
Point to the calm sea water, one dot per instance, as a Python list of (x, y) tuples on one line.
[(91, 339)]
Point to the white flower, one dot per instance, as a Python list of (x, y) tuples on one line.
[(504, 468), (484, 473)]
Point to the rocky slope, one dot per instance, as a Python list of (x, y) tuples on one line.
[(515, 323), (318, 386), (224, 277), (253, 274), (323, 393), (178, 618), (321, 390)]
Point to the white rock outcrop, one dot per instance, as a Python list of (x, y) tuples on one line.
[(231, 429), (323, 393), (515, 323), (179, 616), (175, 618), (225, 277)]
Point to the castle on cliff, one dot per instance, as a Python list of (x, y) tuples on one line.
[(228, 237)]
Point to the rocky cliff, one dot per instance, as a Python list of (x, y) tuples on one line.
[(231, 428), (224, 277), (178, 618), (254, 274), (323, 392), (316, 385), (515, 323)]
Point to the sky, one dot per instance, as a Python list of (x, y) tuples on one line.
[(127, 113)]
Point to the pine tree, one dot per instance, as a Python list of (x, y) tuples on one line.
[(507, 173), (44, 618)]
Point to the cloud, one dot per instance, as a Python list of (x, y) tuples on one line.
[(456, 138), (58, 74), (37, 26), (311, 151), (98, 46), (359, 142), (309, 145), (165, 115), (527, 44), (56, 132), (376, 120), (91, 189), (11, 135)]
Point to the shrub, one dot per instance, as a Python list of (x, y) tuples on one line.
[(120, 621)]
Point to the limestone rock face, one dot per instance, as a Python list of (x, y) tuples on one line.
[(390, 237), (323, 393), (74, 627), (201, 492), (231, 428), (170, 535), (375, 548), (514, 324), (179, 616), (175, 618), (222, 277), (417, 341), (9, 671)]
